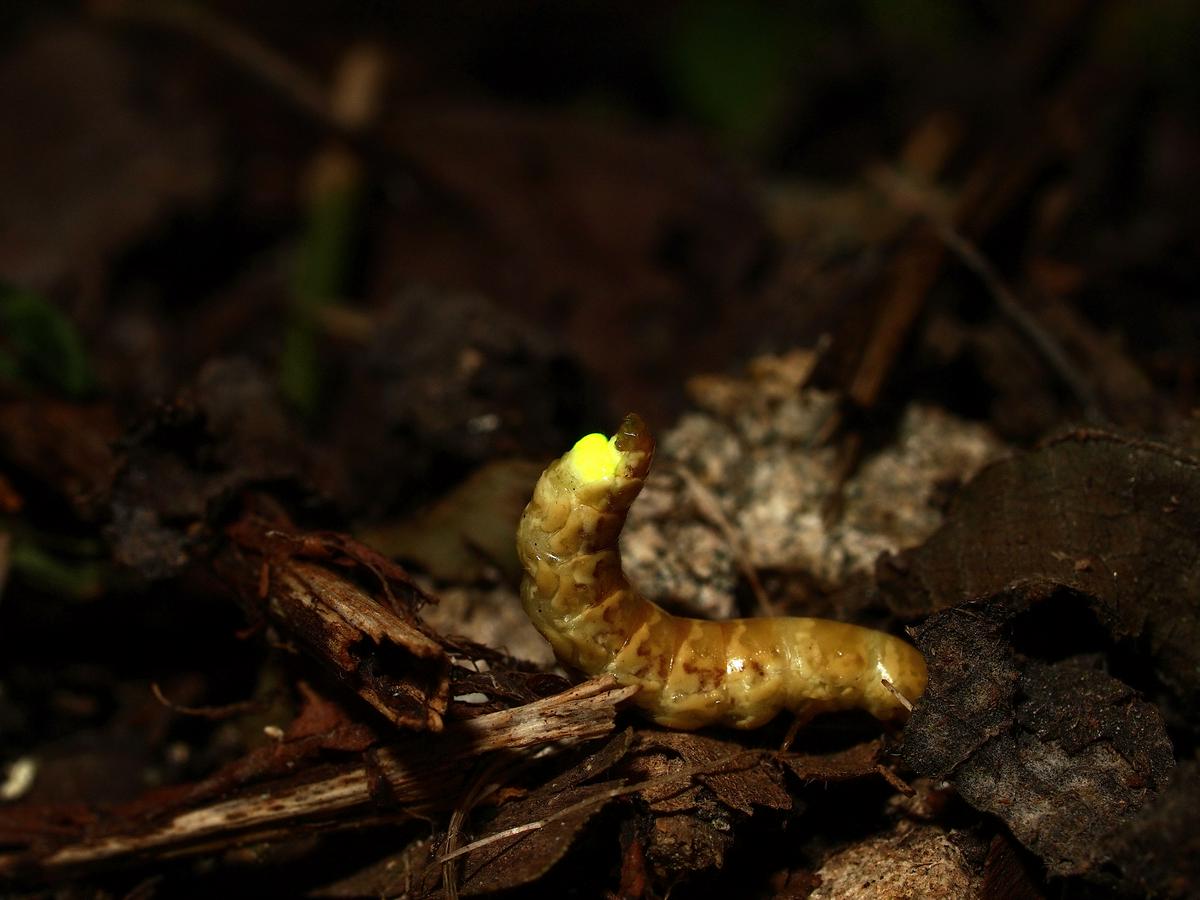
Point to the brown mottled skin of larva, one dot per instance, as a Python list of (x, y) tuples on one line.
[(691, 672)]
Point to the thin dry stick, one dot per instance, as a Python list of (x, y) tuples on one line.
[(799, 720), (250, 54), (920, 201), (895, 780), (901, 699), (488, 782), (603, 797), (484, 785), (710, 508), (228, 711), (1010, 307)]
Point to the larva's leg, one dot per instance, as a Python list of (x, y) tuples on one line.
[(800, 718)]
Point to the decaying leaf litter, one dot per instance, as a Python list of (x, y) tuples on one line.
[(259, 614)]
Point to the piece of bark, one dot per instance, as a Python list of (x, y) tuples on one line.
[(361, 638), (739, 782), (844, 765)]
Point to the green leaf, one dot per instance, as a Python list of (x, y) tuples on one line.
[(39, 567), (38, 344), (320, 278), (730, 60)]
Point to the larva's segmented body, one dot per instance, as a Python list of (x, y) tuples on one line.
[(691, 672)]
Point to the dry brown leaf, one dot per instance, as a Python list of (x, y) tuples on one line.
[(1112, 518), (1062, 752)]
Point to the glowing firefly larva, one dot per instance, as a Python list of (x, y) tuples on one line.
[(690, 672)]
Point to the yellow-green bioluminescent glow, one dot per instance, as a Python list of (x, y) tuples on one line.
[(595, 457)]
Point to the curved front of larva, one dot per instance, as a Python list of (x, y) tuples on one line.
[(691, 672)]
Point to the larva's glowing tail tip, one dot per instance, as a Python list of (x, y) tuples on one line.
[(595, 457)]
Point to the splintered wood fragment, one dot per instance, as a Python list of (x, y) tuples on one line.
[(343, 624), (384, 659), (574, 715), (421, 777)]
